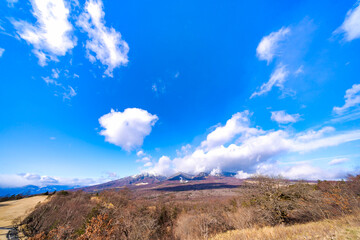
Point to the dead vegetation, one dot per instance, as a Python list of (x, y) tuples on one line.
[(264, 202)]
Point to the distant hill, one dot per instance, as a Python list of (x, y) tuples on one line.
[(32, 189)]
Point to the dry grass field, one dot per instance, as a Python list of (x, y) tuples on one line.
[(16, 209), (347, 227)]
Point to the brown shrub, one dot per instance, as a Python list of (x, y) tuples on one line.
[(120, 215), (70, 210)]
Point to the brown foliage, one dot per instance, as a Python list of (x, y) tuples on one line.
[(120, 215)]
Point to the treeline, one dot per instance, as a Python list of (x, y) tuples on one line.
[(261, 202), (21, 196)]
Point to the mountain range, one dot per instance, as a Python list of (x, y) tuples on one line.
[(136, 181)]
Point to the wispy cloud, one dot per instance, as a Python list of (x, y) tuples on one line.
[(67, 92), (286, 47), (277, 78), (51, 36), (338, 161), (284, 118), (104, 44), (352, 100), (2, 51), (24, 179), (351, 25), (269, 45), (11, 3), (127, 129)]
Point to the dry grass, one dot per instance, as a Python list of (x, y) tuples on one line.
[(347, 227), (16, 209)]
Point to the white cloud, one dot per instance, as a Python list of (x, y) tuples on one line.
[(140, 153), (148, 164), (299, 71), (127, 129), (50, 81), (300, 171), (351, 25), (69, 93), (51, 35), (145, 159), (251, 153), (24, 179), (338, 161), (277, 78), (237, 124), (2, 51), (162, 167), (55, 73), (243, 175), (269, 45), (215, 172), (352, 99), (283, 118), (312, 134), (104, 44)]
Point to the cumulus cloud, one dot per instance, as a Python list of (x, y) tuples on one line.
[(238, 124), (51, 36), (338, 161), (2, 51), (269, 45), (283, 118), (277, 78), (127, 129), (104, 44), (250, 153), (162, 167), (351, 25), (352, 99), (243, 175)]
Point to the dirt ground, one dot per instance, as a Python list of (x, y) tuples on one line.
[(11, 210)]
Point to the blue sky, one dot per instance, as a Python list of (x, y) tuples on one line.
[(92, 91)]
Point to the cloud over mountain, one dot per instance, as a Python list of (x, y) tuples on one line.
[(251, 153)]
